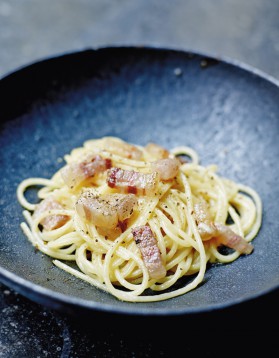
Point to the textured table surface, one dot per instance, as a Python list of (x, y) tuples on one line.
[(247, 31)]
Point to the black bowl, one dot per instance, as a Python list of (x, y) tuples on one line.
[(227, 112)]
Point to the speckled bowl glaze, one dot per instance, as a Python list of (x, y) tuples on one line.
[(228, 112)]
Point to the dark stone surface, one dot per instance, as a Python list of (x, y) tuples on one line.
[(247, 31)]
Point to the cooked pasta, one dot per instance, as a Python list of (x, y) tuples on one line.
[(136, 219)]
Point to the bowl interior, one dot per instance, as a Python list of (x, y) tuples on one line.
[(229, 115)]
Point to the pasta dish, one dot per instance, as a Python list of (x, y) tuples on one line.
[(136, 219)]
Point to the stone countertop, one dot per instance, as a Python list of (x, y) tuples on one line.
[(247, 31)]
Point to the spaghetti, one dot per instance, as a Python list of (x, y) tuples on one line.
[(136, 219)]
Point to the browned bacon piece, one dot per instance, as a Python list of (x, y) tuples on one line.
[(150, 252), (50, 222), (108, 210), (167, 168), (222, 233), (130, 181), (157, 151), (122, 148), (75, 173)]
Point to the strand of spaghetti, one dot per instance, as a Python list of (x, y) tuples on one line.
[(53, 234), (182, 269), (65, 240), (80, 275), (37, 237), (192, 222), (257, 200), (222, 203), (180, 257), (223, 258), (129, 270), (91, 236), (171, 205), (39, 244), (236, 221), (116, 159), (184, 150), (174, 232), (24, 185), (155, 227), (171, 279), (85, 265), (138, 289), (245, 210), (222, 200)]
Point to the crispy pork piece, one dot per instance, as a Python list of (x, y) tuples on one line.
[(167, 168), (50, 222), (107, 211), (122, 148), (150, 252), (222, 233), (157, 151), (130, 181), (75, 173)]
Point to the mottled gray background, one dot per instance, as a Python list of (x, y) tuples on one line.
[(247, 31)]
